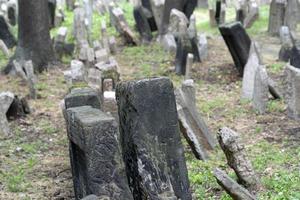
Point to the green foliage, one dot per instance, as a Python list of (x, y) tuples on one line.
[(276, 67), (276, 106)]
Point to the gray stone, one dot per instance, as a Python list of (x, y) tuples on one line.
[(286, 44), (276, 18), (110, 103), (168, 42), (191, 123), (31, 78), (6, 99), (152, 148), (109, 70), (189, 66), (94, 79), (157, 9), (203, 47), (76, 73), (82, 97), (79, 26), (107, 85), (236, 191), (212, 20), (178, 20), (96, 160), (88, 7), (4, 49), (254, 61), (105, 39), (292, 91), (112, 45), (61, 34), (261, 90), (102, 56), (237, 159), (97, 45)]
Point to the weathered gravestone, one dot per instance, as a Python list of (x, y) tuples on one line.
[(253, 63), (238, 43), (12, 12), (236, 191), (95, 154), (79, 26), (261, 89), (152, 148), (191, 123), (286, 44), (5, 34), (77, 73), (237, 158), (252, 15), (220, 12), (6, 99), (276, 18), (292, 91)]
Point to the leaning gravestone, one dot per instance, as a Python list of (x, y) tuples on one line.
[(292, 14), (95, 154), (254, 61), (261, 89), (292, 89), (152, 148), (238, 43), (191, 123), (5, 34), (277, 14), (6, 99)]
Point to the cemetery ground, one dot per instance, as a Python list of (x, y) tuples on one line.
[(34, 162)]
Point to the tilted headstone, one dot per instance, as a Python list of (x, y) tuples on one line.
[(261, 89), (191, 123), (252, 15), (238, 43), (237, 158), (295, 55), (276, 18), (254, 62), (6, 99), (5, 34), (95, 154), (292, 91), (177, 19), (152, 149)]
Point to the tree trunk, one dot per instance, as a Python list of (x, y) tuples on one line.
[(34, 41)]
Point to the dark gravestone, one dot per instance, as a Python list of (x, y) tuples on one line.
[(12, 14), (95, 154), (151, 142), (51, 8), (238, 43), (184, 47), (5, 34), (295, 55), (142, 23), (240, 16), (82, 97), (218, 11)]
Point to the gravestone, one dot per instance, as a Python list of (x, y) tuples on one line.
[(6, 99), (286, 44), (253, 14), (5, 34), (191, 123), (88, 7), (168, 42), (237, 158), (110, 103), (220, 12), (112, 45), (76, 73), (109, 70), (95, 154), (238, 43), (79, 26), (292, 91), (203, 47), (177, 19), (295, 55), (189, 65), (152, 149), (94, 79), (31, 78), (12, 12), (51, 8), (261, 90), (276, 18), (82, 97), (157, 7), (254, 62)]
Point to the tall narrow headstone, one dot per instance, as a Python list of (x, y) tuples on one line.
[(276, 18), (151, 143), (261, 90), (5, 34)]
